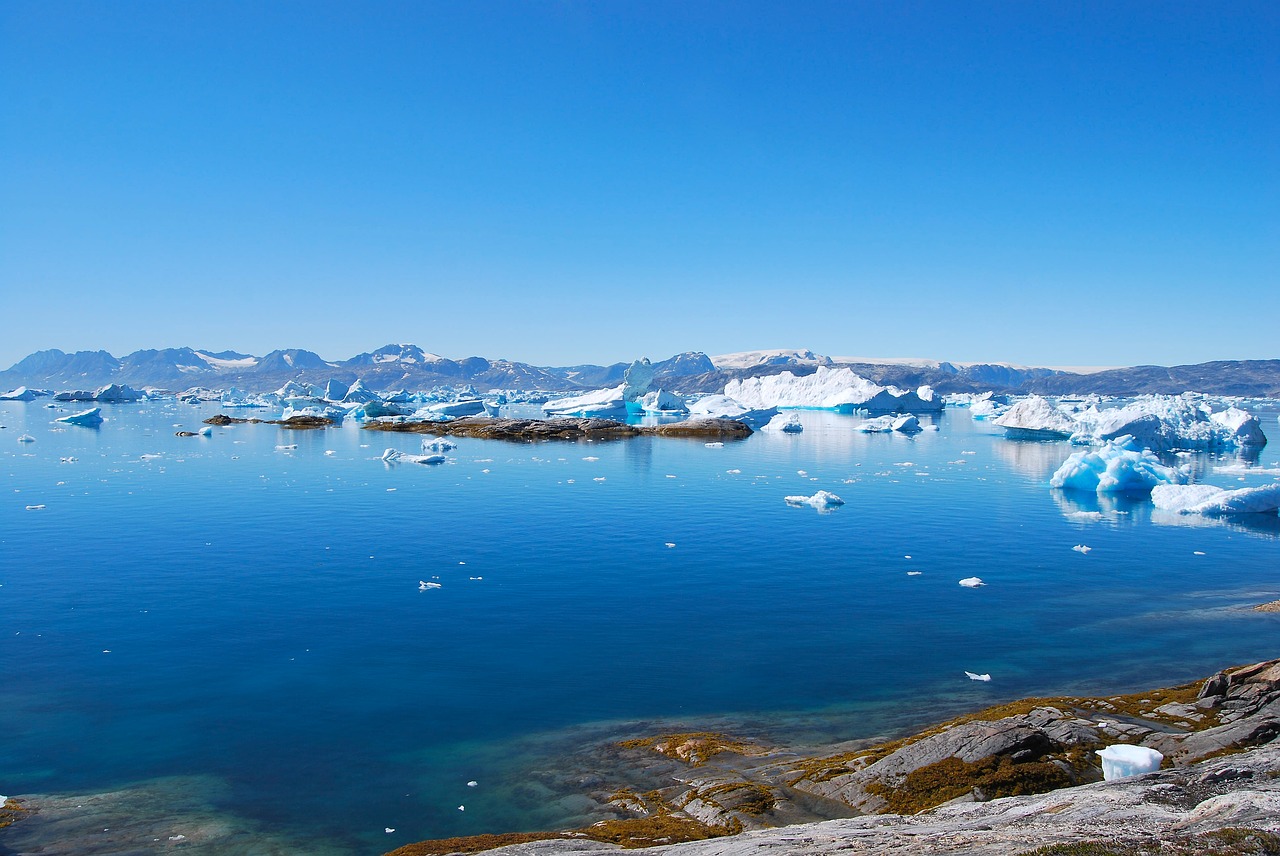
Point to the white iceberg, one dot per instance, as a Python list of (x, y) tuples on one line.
[(1118, 466), (820, 500), (1034, 418), (1123, 760), (788, 423), (724, 407), (437, 444), (393, 456), (335, 390), (637, 379), (358, 393), (1215, 501), (26, 438), (661, 401), (460, 407), (20, 394), (973, 676), (118, 392), (608, 403), (972, 582), (326, 411), (91, 418), (830, 389), (237, 398), (1165, 423)]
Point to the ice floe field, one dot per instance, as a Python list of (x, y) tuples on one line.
[(307, 639)]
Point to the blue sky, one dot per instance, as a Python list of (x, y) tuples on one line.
[(567, 182)]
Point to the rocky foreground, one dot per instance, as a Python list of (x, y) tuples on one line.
[(1020, 778), (567, 428)]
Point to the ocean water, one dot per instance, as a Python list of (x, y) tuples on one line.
[(225, 611)]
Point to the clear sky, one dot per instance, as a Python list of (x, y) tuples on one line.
[(1084, 183)]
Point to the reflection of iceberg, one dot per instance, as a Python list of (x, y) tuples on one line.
[(91, 418), (1121, 465), (1215, 501)]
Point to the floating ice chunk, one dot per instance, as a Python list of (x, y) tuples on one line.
[(1215, 501), (607, 403), (118, 392), (1123, 760), (26, 438), (973, 676), (1034, 418), (724, 407), (1118, 466), (91, 418), (914, 573), (1082, 548), (820, 500), (1165, 423), (591, 458), (462, 808), (437, 444), (907, 424), (734, 472), (472, 784), (877, 425), (715, 445), (34, 507), (20, 394), (388, 829), (423, 585), (286, 447), (205, 431), (394, 456), (669, 545), (661, 401), (972, 582), (786, 422)]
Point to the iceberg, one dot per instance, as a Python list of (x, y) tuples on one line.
[(1165, 423), (972, 582), (236, 398), (987, 408), (26, 438), (461, 407), (788, 423), (326, 411), (1034, 418), (724, 407), (335, 390), (829, 389), (20, 394), (605, 403), (437, 444), (661, 401), (91, 418), (1120, 465), (358, 393), (637, 379), (1123, 760), (821, 500), (1215, 501), (393, 456), (118, 392), (906, 424)]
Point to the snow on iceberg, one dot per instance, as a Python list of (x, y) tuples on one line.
[(788, 423), (118, 392), (358, 393), (821, 500), (1034, 418), (20, 394), (1120, 465), (1214, 501), (91, 418), (831, 389), (661, 401)]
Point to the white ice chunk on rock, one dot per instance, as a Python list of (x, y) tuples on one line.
[(1215, 501), (820, 500), (1034, 418), (1123, 760), (91, 418), (1117, 467)]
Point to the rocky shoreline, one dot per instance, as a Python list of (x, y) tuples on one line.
[(567, 428), (1008, 779)]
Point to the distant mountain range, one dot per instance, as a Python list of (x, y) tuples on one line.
[(410, 367)]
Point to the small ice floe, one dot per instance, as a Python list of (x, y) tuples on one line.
[(1197, 552), (472, 784), (394, 456), (734, 472), (1082, 548), (34, 507), (820, 500), (90, 418), (462, 808), (27, 438), (150, 456), (438, 444), (591, 458), (600, 479), (287, 447), (973, 676), (670, 544), (423, 585), (330, 452), (205, 431), (716, 445), (1084, 515), (178, 837), (70, 459), (1215, 501), (914, 573), (388, 829), (972, 582)]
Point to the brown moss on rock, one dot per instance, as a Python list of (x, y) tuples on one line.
[(11, 811), (990, 778), (694, 748)]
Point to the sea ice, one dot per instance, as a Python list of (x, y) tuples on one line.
[(91, 418), (972, 582), (1082, 548), (1120, 465), (976, 677), (820, 500), (1123, 760), (26, 438), (1214, 501)]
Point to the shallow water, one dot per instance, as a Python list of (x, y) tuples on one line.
[(266, 631)]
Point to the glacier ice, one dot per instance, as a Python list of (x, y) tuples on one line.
[(724, 407), (1165, 423), (20, 394), (1215, 501), (786, 422), (973, 676), (1034, 418), (637, 379), (608, 403), (456, 408), (335, 390), (1123, 759), (117, 393), (90, 418), (820, 500), (437, 444), (394, 456), (358, 393), (1120, 465)]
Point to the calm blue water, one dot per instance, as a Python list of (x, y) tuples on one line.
[(265, 626)]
